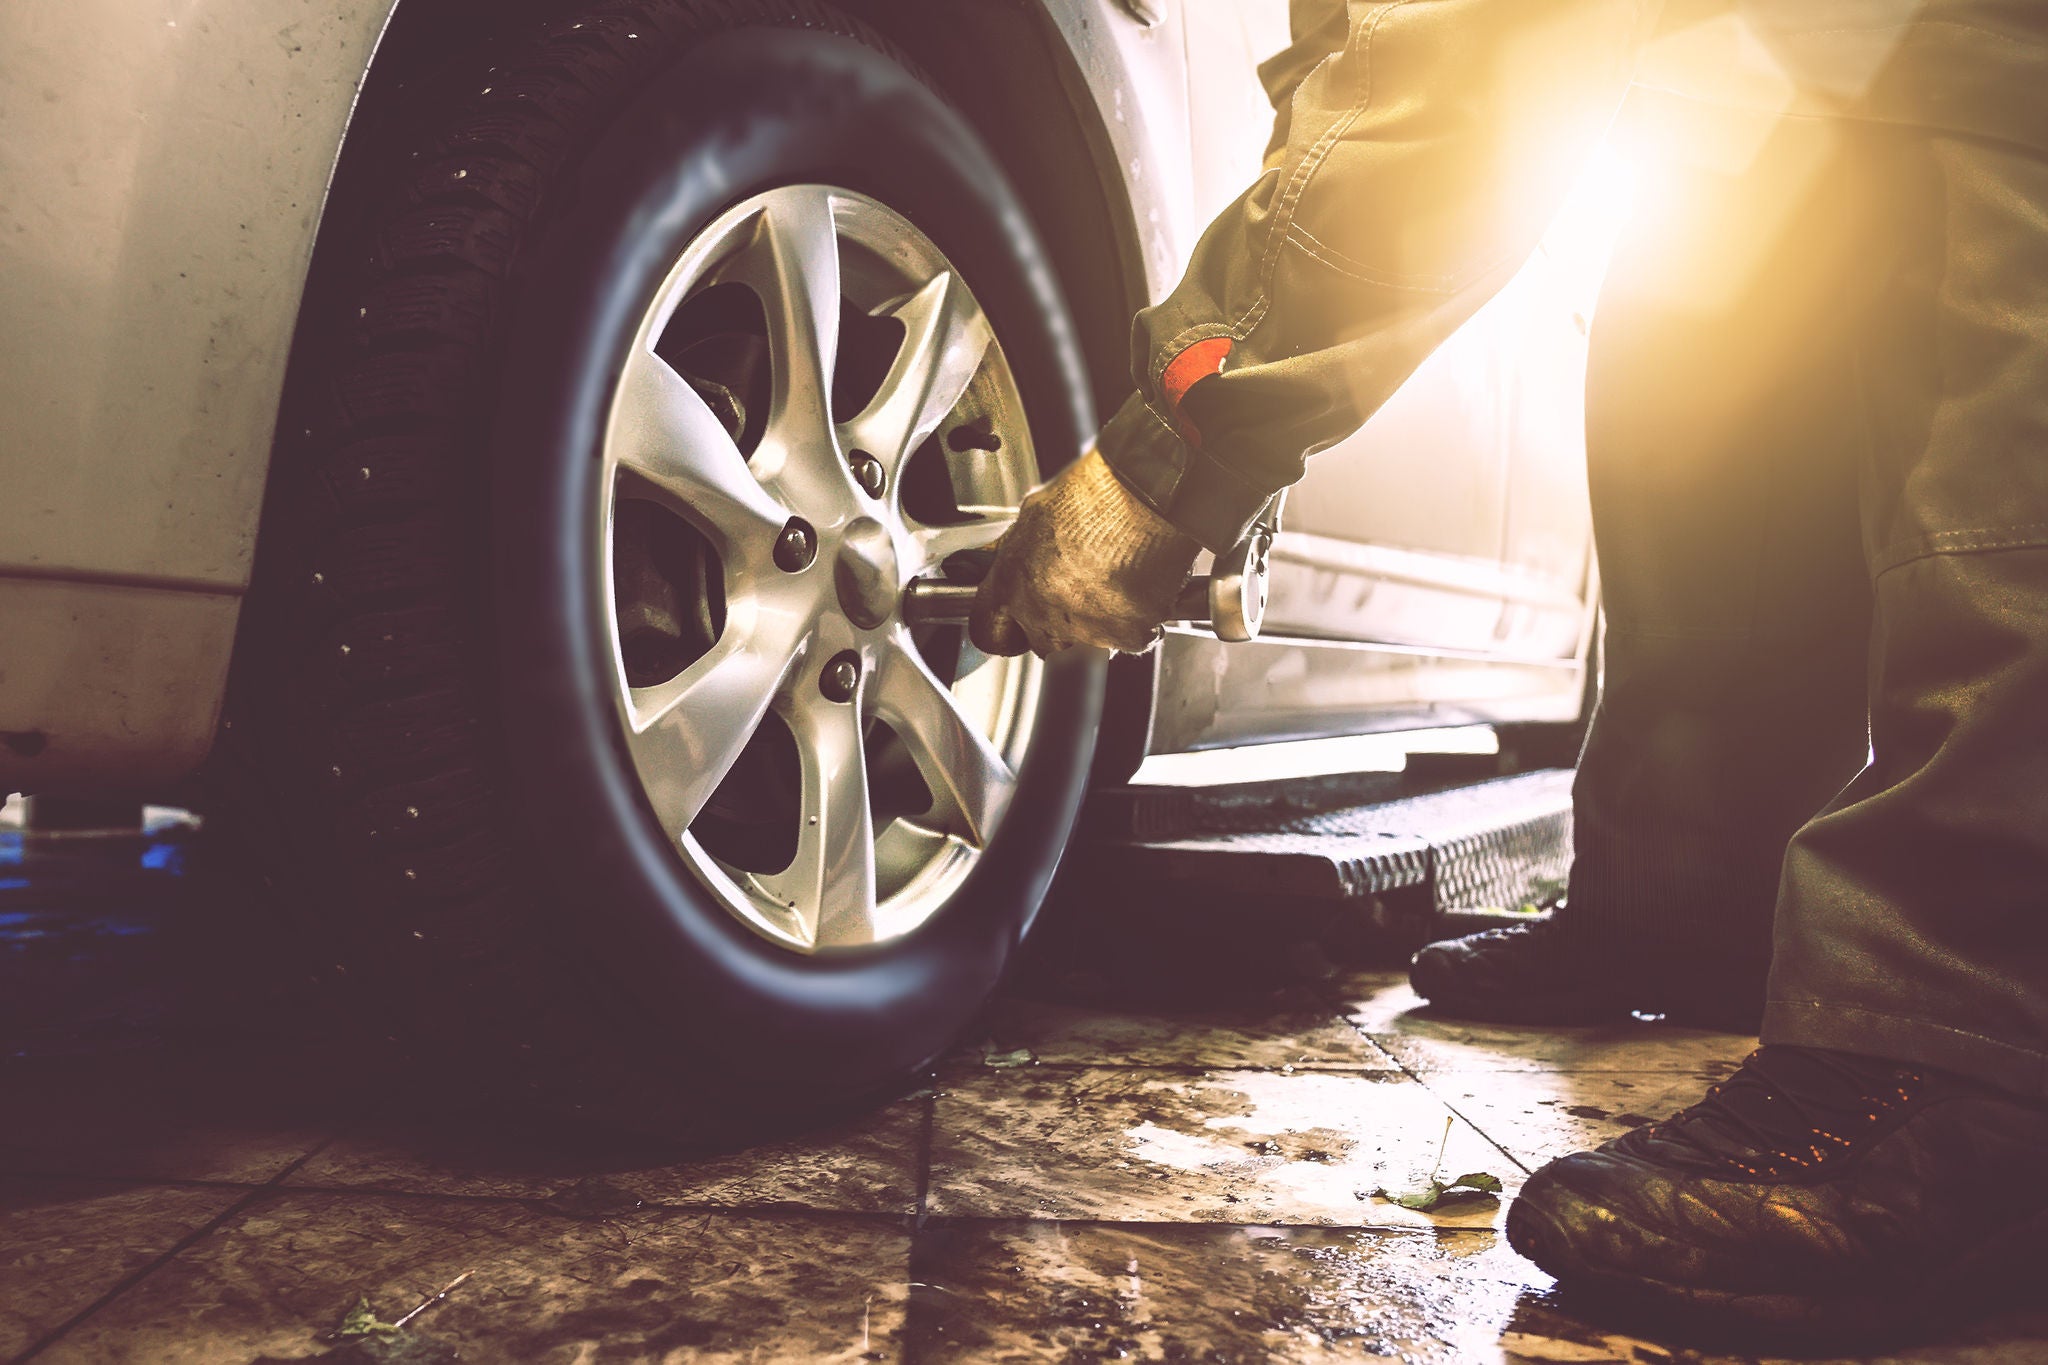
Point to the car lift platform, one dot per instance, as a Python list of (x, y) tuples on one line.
[(1457, 848)]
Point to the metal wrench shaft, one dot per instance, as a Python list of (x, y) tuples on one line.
[(1231, 601), (935, 602)]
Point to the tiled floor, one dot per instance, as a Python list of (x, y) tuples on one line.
[(1086, 1181), (1173, 1185)]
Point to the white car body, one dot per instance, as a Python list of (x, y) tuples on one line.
[(163, 170)]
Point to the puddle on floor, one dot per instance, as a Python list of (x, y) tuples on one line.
[(1071, 1292), (1228, 1146), (1305, 1138), (1084, 1292)]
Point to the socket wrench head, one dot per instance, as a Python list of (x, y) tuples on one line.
[(1237, 588)]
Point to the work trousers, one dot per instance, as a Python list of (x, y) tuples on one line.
[(1818, 441), (1818, 437)]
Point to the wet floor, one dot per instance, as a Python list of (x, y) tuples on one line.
[(1086, 1180)]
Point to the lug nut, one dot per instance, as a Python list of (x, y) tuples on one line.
[(840, 677), (868, 473), (796, 546)]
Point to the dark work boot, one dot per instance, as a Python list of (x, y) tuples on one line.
[(1533, 973), (1547, 973), (1812, 1189)]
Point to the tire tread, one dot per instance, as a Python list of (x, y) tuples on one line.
[(356, 702)]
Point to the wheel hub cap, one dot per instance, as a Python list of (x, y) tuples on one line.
[(866, 574), (828, 772)]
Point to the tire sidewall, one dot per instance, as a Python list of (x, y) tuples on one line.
[(738, 114)]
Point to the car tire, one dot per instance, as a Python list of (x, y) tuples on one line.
[(431, 744)]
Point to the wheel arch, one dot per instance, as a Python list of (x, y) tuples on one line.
[(1035, 110), (809, 109)]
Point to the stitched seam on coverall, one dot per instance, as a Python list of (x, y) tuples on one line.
[(1311, 162), (1283, 220), (2027, 536), (1837, 1007)]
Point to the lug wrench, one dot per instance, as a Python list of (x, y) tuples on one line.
[(1230, 600)]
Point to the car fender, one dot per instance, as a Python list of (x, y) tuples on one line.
[(160, 192), (160, 200)]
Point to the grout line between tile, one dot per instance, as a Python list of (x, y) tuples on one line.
[(1574, 1072), (1421, 1079), (1459, 1114), (150, 1181), (1420, 1234), (781, 1209), (924, 1154), (1381, 1066), (178, 1248)]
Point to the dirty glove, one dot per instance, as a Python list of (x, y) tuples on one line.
[(1086, 564)]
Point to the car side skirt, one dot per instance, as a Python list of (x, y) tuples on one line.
[(93, 668), (1212, 695)]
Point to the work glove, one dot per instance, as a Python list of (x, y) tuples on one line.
[(1085, 564)]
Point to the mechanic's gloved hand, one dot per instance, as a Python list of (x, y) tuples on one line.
[(1086, 564)]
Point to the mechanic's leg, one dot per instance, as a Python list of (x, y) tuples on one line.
[(1913, 923), (1723, 448), (1837, 1176), (1723, 454)]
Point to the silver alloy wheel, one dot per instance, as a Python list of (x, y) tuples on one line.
[(799, 607)]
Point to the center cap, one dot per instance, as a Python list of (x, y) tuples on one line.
[(865, 573)]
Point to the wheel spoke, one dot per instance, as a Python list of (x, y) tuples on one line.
[(793, 265), (830, 884), (937, 542), (685, 734), (782, 599), (945, 336), (971, 781), (665, 433)]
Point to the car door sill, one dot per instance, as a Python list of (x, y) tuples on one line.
[(1210, 694)]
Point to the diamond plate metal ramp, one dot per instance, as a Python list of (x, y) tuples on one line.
[(1492, 843)]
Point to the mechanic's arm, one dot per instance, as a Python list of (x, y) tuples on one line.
[(1420, 159), (1316, 28)]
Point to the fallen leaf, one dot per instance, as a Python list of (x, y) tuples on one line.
[(1436, 1194), (1423, 1199), (361, 1322)]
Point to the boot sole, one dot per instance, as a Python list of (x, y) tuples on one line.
[(1974, 1284)]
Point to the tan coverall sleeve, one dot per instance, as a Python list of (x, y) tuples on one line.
[(1422, 147)]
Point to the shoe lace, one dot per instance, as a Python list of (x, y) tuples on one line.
[(1792, 1108)]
